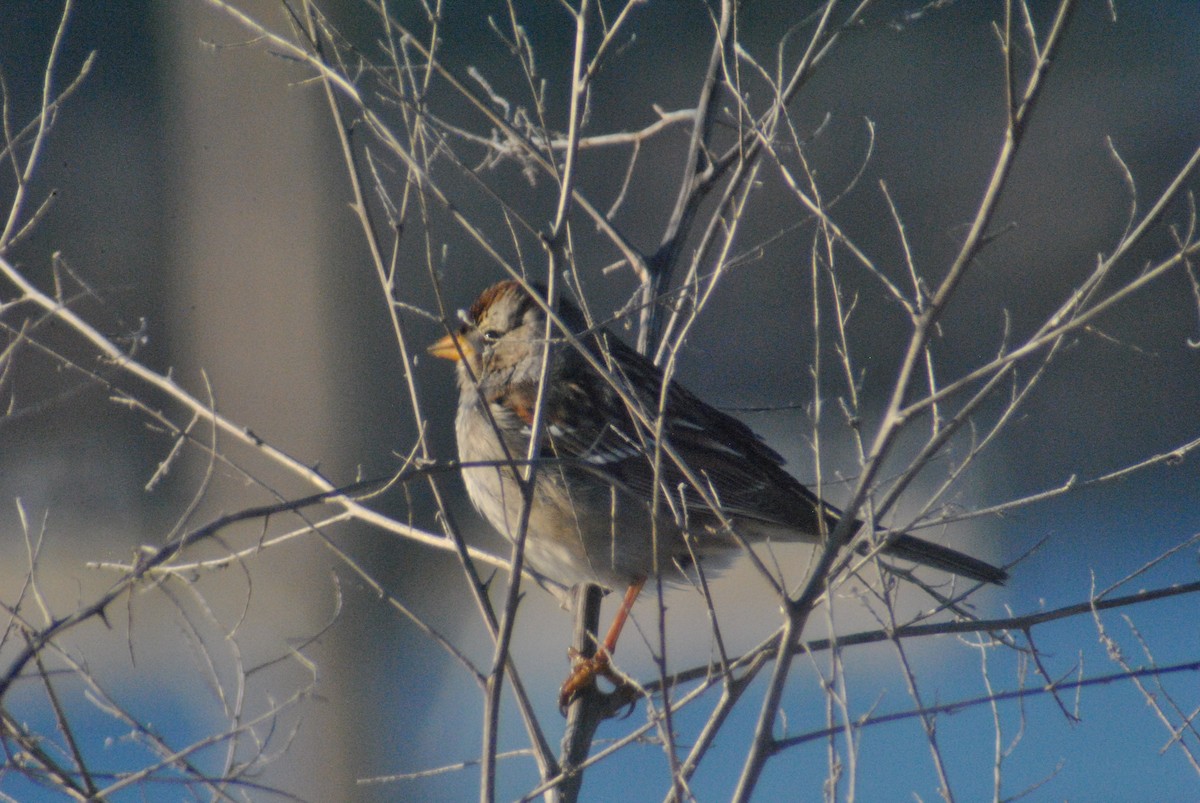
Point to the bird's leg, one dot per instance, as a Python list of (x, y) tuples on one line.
[(584, 670)]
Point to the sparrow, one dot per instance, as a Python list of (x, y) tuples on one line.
[(619, 496)]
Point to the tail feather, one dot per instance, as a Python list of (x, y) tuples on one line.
[(906, 547)]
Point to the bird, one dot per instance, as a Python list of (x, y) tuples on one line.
[(595, 514)]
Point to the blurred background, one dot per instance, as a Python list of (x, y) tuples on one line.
[(201, 211)]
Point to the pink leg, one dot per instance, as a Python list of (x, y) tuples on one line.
[(585, 670)]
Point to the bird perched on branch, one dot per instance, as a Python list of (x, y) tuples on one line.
[(618, 495)]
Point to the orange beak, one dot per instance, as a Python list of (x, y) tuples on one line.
[(452, 347)]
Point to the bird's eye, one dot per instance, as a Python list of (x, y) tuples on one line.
[(490, 335)]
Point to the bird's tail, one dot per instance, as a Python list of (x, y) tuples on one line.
[(906, 547)]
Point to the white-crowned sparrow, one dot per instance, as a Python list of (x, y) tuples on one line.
[(590, 520)]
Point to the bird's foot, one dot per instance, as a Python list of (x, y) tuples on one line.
[(584, 671)]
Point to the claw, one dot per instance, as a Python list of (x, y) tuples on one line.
[(583, 676), (584, 672)]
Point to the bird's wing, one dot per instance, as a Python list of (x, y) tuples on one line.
[(590, 423)]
